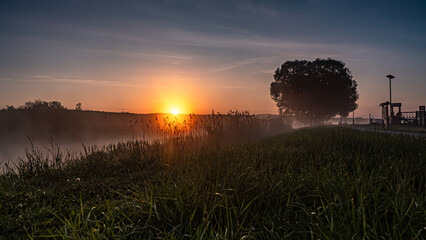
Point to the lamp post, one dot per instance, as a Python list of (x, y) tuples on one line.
[(390, 99)]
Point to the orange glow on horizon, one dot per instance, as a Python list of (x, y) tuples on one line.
[(174, 111), (176, 99)]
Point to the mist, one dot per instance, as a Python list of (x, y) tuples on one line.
[(72, 130)]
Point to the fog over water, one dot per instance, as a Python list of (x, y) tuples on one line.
[(13, 152), (68, 130)]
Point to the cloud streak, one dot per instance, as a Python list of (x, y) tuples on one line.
[(50, 79)]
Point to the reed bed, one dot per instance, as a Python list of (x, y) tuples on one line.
[(235, 126)]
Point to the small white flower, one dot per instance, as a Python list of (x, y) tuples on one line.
[(313, 213), (77, 179)]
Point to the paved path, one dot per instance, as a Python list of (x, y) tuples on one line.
[(364, 129)]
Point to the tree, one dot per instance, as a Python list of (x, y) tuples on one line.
[(42, 105), (314, 91), (78, 106), (55, 105)]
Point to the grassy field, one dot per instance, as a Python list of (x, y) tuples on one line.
[(321, 183)]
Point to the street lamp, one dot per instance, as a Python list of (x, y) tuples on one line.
[(390, 98)]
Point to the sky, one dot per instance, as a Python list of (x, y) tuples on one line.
[(199, 55)]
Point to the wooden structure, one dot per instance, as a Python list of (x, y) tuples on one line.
[(388, 114), (391, 118)]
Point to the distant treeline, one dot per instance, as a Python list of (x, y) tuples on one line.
[(39, 105)]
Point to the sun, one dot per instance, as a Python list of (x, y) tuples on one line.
[(174, 111)]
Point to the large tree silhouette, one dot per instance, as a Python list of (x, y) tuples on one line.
[(314, 91)]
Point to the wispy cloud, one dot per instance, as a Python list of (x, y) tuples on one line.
[(256, 9), (241, 63), (167, 43), (52, 79), (239, 88), (157, 35)]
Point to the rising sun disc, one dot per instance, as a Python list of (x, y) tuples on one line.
[(175, 112)]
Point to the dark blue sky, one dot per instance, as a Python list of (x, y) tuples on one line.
[(140, 56)]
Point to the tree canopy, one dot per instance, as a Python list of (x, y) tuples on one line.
[(314, 91)]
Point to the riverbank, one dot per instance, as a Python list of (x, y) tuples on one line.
[(331, 182)]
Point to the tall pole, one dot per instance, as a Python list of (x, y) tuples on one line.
[(390, 91), (390, 100)]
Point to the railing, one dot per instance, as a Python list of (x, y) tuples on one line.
[(376, 121), (409, 115)]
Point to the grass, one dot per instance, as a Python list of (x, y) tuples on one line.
[(321, 183)]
